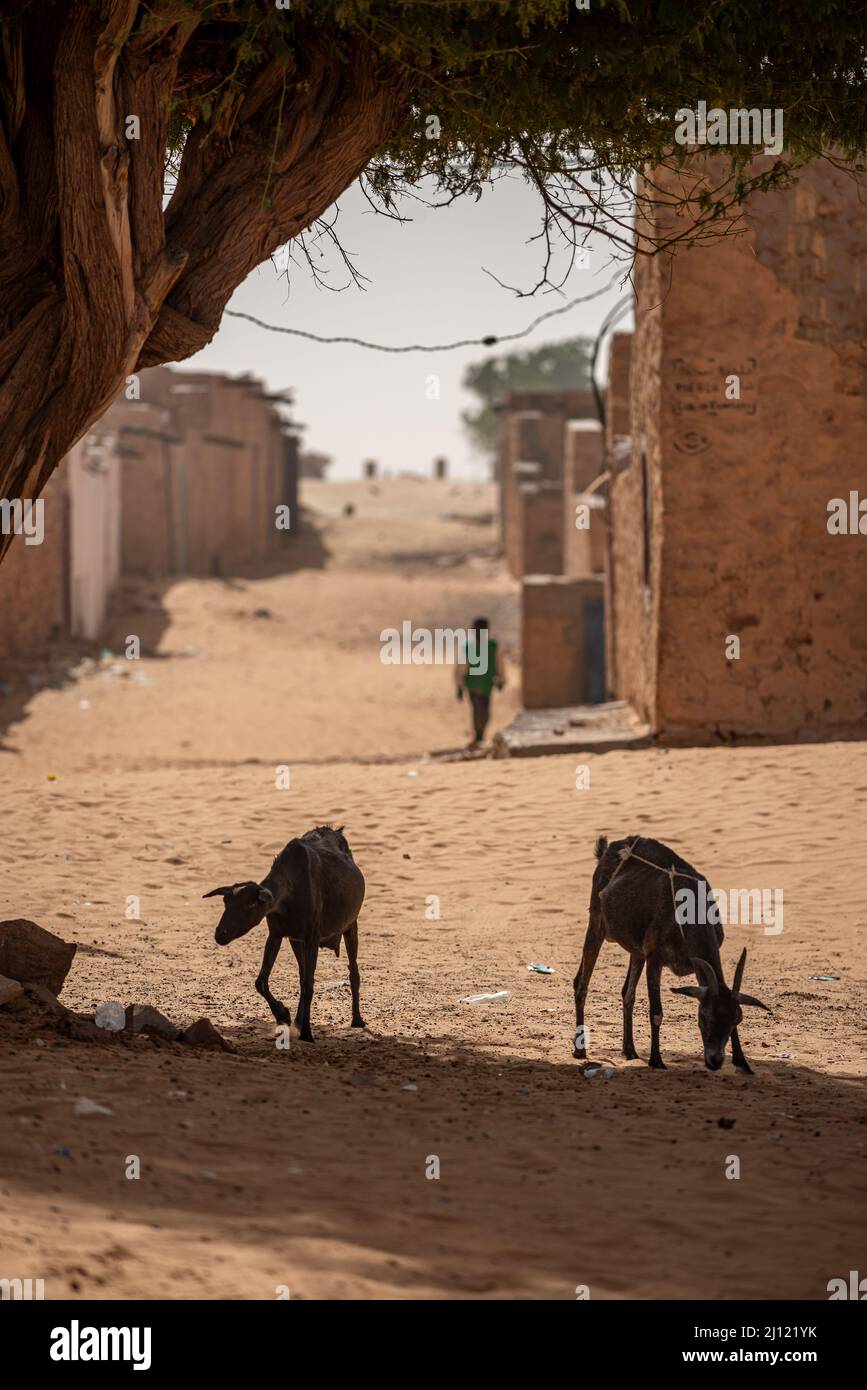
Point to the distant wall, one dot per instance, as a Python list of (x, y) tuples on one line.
[(33, 583), (561, 641), (542, 527), (584, 546), (206, 465), (94, 491), (532, 427)]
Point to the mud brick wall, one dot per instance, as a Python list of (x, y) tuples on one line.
[(618, 418), (584, 548), (203, 499), (542, 532), (635, 493), (583, 457), (740, 488), (554, 646), (519, 431), (618, 453), (531, 432), (146, 444), (32, 583)]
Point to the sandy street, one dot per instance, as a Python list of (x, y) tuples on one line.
[(308, 1169)]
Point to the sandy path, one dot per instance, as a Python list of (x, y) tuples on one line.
[(307, 1168)]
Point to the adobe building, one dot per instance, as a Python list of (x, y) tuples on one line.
[(733, 611), (531, 470), (584, 520), (207, 462), (551, 452), (185, 480), (34, 598)]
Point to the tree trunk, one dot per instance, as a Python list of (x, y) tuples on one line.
[(97, 281)]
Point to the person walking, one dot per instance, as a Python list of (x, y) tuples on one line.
[(479, 675)]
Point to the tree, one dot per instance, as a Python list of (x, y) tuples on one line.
[(261, 112), (553, 367), (312, 464)]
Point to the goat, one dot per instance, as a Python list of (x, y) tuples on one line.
[(311, 895), (632, 903)]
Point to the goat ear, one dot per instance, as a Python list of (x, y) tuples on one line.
[(706, 973), (694, 991), (265, 895), (217, 893), (739, 971), (754, 1003)]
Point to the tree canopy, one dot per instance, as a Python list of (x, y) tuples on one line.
[(153, 152), (561, 366)]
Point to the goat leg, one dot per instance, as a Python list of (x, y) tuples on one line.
[(272, 946), (738, 1057), (654, 973), (298, 948), (581, 983), (351, 939), (311, 952), (630, 984)]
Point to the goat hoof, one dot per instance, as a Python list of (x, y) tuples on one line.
[(658, 1065), (631, 1055), (358, 1023), (744, 1067), (580, 1054)]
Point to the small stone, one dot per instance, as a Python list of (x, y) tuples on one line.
[(142, 1018), (725, 1123), (202, 1033), (31, 954), (9, 989)]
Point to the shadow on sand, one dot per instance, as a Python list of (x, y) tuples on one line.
[(138, 603), (316, 1161)]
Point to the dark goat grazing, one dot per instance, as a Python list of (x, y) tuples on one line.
[(632, 903), (312, 895)]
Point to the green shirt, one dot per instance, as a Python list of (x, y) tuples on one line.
[(480, 677)]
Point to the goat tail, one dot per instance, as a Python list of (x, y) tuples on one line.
[(601, 846)]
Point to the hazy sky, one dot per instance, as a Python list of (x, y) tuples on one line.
[(427, 283)]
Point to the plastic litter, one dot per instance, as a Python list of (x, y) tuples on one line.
[(91, 1107), (501, 997), (541, 969), (111, 1016)]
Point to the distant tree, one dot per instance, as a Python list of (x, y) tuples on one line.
[(312, 464), (552, 367)]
